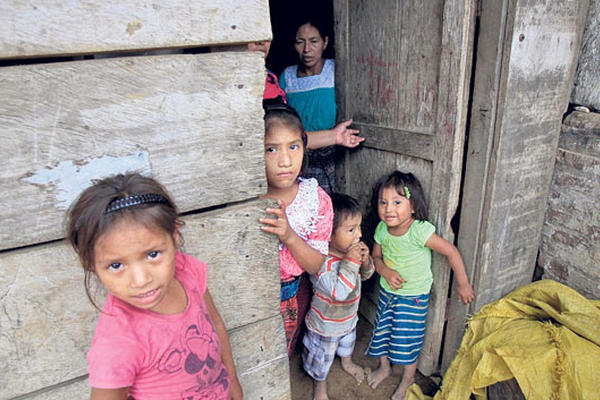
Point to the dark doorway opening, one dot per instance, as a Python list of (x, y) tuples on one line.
[(285, 17)]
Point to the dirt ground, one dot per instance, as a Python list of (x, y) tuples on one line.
[(342, 386)]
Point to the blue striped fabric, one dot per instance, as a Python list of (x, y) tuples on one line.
[(399, 327)]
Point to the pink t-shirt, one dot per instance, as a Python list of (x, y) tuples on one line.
[(310, 215), (160, 356)]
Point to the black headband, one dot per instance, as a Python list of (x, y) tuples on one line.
[(135, 200)]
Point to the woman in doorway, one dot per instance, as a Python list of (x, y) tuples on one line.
[(310, 89)]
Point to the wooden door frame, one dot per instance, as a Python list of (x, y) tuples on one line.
[(447, 142)]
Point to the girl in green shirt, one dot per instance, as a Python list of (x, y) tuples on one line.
[(402, 255)]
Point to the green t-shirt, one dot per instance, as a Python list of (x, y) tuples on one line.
[(408, 256)]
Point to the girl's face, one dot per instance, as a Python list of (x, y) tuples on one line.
[(394, 210), (310, 45), (262, 46), (283, 156), (136, 264)]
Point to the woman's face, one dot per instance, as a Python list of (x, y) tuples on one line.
[(310, 45)]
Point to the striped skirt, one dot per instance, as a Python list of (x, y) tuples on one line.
[(399, 327)]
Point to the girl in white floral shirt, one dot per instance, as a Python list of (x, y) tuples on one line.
[(303, 216)]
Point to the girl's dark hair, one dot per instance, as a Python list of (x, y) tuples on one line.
[(88, 221), (344, 206), (282, 114), (399, 181)]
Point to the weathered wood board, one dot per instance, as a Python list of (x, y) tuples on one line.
[(47, 321), (393, 83), (526, 61), (586, 90), (243, 262), (191, 120), (405, 68), (32, 28), (74, 390)]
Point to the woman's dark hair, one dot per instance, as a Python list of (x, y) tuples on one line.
[(282, 114), (344, 206), (407, 185), (316, 21), (90, 217)]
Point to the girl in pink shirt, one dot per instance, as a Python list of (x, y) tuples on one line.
[(159, 335), (303, 215)]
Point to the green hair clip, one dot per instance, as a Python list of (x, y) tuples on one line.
[(406, 192)]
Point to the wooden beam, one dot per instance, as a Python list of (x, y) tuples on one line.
[(194, 122), (31, 28)]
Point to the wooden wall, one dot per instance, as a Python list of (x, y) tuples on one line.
[(193, 121), (525, 63)]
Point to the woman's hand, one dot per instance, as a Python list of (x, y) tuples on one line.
[(345, 136), (278, 226)]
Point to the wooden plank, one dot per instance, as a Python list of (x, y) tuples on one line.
[(391, 81), (586, 89), (519, 98), (450, 122), (30, 28), (261, 359), (413, 144), (77, 389), (241, 259), (193, 121), (47, 321)]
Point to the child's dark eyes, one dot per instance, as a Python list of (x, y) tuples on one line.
[(270, 149), (294, 147), (152, 255), (115, 266)]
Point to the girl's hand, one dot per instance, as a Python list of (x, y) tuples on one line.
[(465, 293), (345, 136), (235, 391), (278, 226), (392, 278)]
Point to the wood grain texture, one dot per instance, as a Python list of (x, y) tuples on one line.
[(243, 262), (392, 63), (47, 321), (586, 90), (522, 86), (192, 121), (456, 51), (29, 28), (412, 144)]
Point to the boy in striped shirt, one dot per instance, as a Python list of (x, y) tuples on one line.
[(331, 320)]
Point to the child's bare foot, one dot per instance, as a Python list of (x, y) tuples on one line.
[(320, 390), (377, 376), (401, 390), (354, 370)]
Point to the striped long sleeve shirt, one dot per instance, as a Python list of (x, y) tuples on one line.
[(336, 295)]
